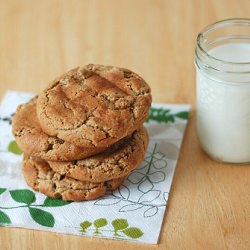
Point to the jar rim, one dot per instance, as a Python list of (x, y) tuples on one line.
[(221, 24)]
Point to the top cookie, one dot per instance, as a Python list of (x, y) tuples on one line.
[(94, 106)]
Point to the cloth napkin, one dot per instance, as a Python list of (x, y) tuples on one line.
[(133, 212)]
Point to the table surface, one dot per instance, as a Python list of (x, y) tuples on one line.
[(209, 205)]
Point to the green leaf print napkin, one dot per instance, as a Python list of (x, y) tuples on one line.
[(133, 212)]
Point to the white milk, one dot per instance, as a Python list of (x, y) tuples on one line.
[(223, 109)]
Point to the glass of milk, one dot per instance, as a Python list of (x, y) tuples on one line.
[(222, 59)]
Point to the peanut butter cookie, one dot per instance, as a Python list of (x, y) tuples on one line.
[(42, 178), (117, 161), (33, 141), (94, 106)]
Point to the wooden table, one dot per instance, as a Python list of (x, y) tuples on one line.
[(209, 206)]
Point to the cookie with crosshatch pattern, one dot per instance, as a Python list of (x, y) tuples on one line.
[(34, 141), (94, 105)]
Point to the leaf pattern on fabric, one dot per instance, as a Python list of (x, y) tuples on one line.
[(150, 196), (84, 225), (151, 211), (133, 232), (99, 223), (146, 180), (2, 190), (4, 218), (13, 148), (51, 202), (28, 198), (120, 228), (42, 217), (165, 115), (107, 201), (130, 207), (23, 196)]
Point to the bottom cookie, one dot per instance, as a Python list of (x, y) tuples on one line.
[(39, 175)]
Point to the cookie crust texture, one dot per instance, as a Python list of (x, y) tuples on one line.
[(42, 178), (94, 105), (34, 141), (115, 162)]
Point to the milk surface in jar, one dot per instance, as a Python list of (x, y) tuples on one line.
[(223, 98)]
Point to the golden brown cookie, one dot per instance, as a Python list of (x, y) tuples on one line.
[(42, 178), (117, 161), (33, 141), (94, 106)]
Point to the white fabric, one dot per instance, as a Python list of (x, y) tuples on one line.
[(133, 212)]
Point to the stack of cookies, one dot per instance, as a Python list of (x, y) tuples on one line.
[(84, 133)]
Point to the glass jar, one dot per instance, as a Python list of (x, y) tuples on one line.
[(222, 59)]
